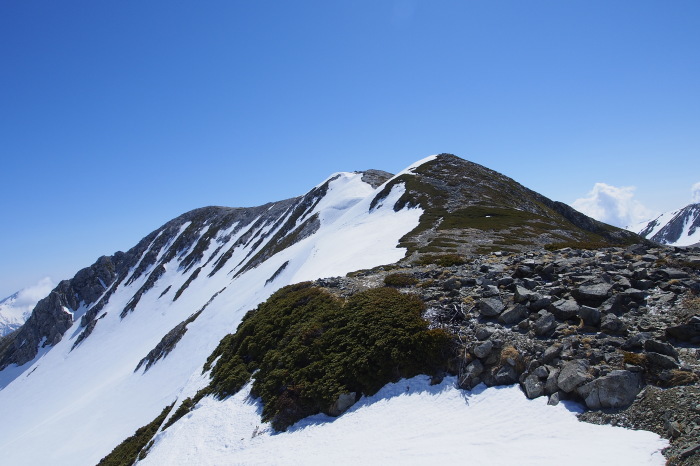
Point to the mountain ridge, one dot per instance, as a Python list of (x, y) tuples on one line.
[(164, 305)]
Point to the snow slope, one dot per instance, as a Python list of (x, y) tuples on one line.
[(74, 406), (409, 422)]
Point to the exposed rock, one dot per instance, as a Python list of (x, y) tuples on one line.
[(342, 403), (533, 387), (483, 350), (514, 314), (592, 295), (573, 374), (590, 316), (615, 390), (564, 309), (491, 307), (545, 324)]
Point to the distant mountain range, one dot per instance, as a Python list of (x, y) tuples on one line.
[(677, 228)]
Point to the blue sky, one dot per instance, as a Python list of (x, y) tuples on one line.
[(118, 116)]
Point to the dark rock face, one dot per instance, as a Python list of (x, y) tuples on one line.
[(53, 315)]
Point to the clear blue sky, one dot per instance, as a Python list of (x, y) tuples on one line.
[(118, 116)]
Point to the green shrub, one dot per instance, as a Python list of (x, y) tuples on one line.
[(129, 450), (307, 347), (443, 260), (400, 280)]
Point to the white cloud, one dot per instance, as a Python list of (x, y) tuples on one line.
[(28, 297), (613, 205), (696, 192)]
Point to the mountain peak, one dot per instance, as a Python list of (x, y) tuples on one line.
[(677, 228)]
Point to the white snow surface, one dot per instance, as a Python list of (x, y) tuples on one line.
[(409, 422), (73, 407)]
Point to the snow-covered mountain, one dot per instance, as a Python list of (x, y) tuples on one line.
[(677, 228), (106, 351), (16, 309)]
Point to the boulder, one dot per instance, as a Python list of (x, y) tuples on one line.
[(564, 309), (523, 295), (533, 387), (612, 324), (506, 375), (589, 315), (592, 295), (658, 361), (661, 348), (615, 390), (573, 374), (491, 307), (470, 377), (342, 403), (514, 314), (545, 324), (483, 350)]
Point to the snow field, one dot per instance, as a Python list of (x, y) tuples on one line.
[(407, 423)]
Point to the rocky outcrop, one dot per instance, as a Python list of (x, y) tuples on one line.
[(54, 315), (594, 326)]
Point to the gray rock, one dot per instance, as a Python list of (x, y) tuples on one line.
[(551, 353), (483, 350), (592, 295), (506, 375), (541, 372), (533, 387), (550, 385), (523, 295), (612, 324), (564, 309), (616, 390), (573, 374), (514, 314), (342, 403), (661, 348), (554, 399), (589, 315), (491, 307), (470, 377), (661, 361), (545, 324)]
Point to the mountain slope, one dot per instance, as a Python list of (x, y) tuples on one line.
[(129, 335), (677, 228)]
